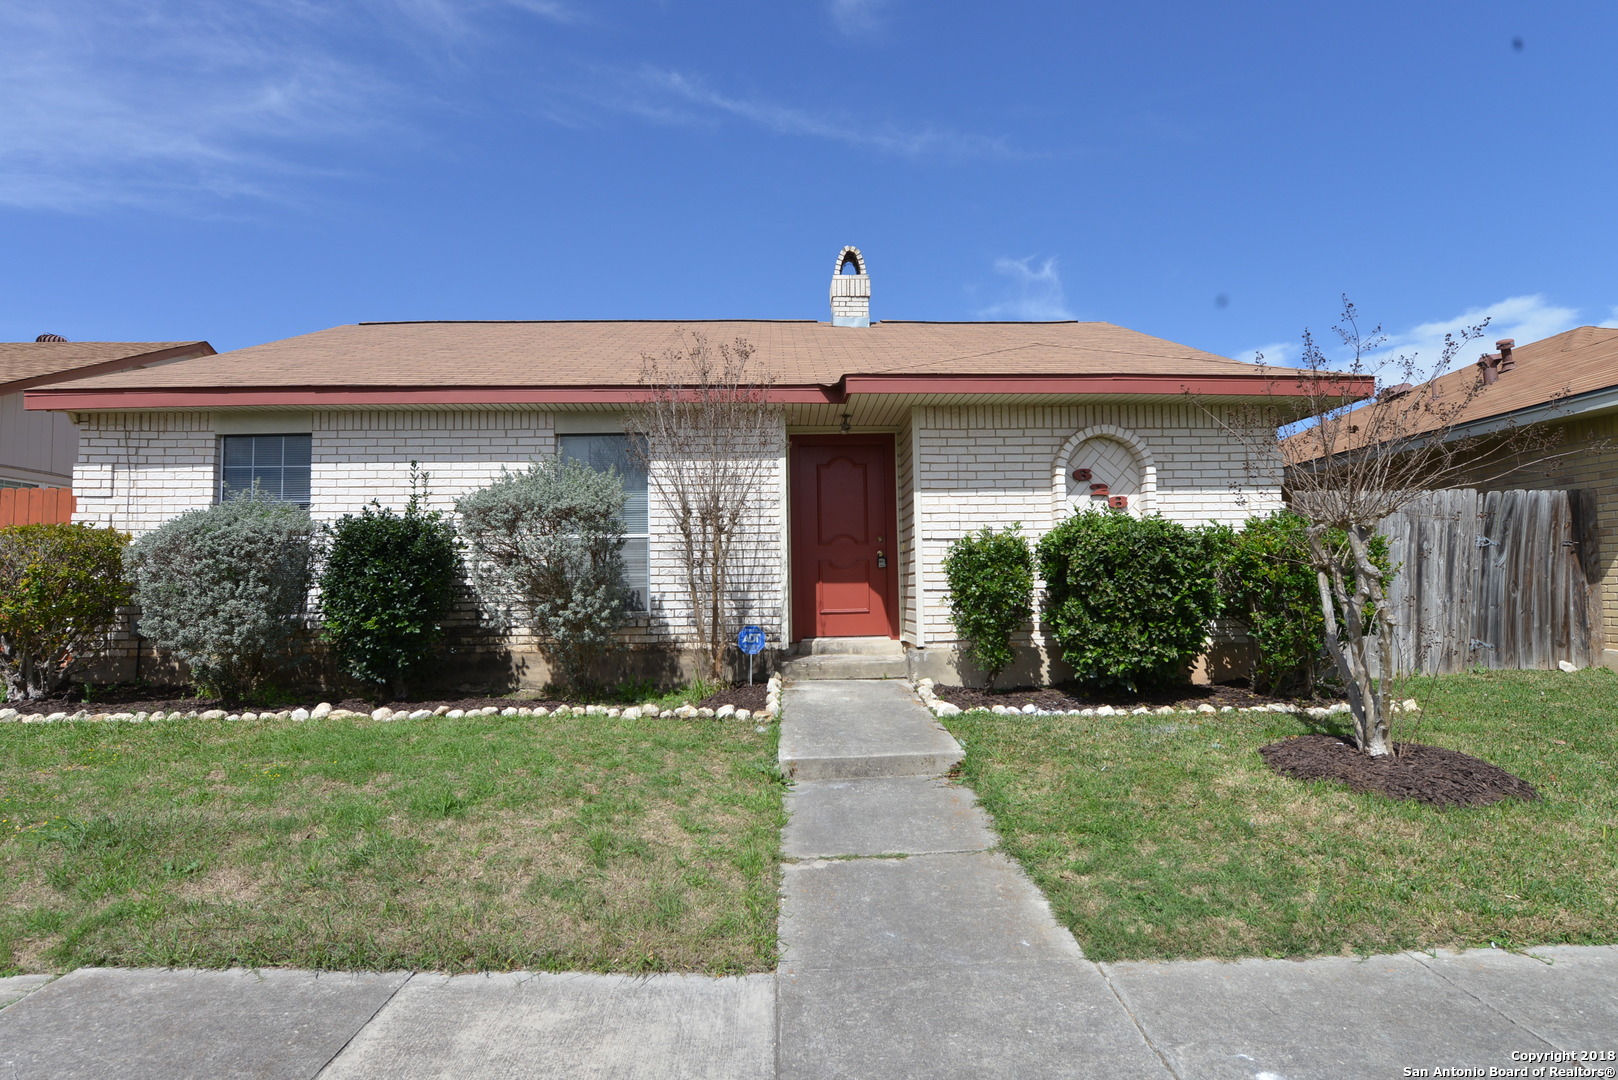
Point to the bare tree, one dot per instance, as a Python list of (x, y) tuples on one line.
[(711, 443), (1384, 433)]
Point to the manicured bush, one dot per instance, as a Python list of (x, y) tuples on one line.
[(1128, 600), (991, 593), (387, 582), (223, 589), (1272, 590), (545, 552), (60, 590)]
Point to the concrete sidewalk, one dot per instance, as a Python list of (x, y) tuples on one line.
[(911, 948)]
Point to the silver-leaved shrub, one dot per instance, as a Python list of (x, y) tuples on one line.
[(224, 589), (544, 547)]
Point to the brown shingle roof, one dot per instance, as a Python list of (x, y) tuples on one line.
[(565, 354), (35, 363), (1558, 368), (1565, 365)]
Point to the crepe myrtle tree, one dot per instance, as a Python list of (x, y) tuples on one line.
[(710, 442), (1380, 432)]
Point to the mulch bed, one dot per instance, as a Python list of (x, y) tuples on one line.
[(1070, 697), (743, 697), (1428, 774)]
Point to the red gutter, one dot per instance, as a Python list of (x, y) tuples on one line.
[(66, 398)]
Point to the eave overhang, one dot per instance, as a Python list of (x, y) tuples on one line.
[(68, 399)]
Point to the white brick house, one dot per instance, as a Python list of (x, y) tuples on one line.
[(898, 438)]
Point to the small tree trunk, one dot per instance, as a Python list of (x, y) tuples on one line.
[(1369, 579)]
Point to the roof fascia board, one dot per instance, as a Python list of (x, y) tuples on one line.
[(69, 399), (1221, 385), (109, 367), (1593, 401)]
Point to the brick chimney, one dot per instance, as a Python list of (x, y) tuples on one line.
[(850, 289)]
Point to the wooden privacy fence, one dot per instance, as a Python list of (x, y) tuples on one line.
[(35, 506), (1499, 579)]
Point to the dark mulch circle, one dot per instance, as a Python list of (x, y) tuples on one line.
[(1428, 774), (1070, 697), (743, 697)]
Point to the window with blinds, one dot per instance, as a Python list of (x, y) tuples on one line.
[(277, 464), (613, 452)]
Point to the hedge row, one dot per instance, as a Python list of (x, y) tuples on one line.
[(1129, 600), (226, 588)]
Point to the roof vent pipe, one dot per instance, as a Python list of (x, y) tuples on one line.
[(1505, 345), (1493, 365), (49, 337)]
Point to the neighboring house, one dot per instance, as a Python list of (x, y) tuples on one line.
[(1566, 386), (898, 438), (39, 449), (1552, 405)]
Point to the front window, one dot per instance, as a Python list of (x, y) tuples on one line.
[(277, 464), (613, 452)]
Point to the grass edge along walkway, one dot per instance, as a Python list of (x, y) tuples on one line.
[(479, 843), (1168, 838)]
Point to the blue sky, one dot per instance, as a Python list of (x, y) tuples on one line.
[(1215, 174)]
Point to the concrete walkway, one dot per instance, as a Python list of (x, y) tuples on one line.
[(911, 948)]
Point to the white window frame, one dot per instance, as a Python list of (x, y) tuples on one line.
[(640, 591), (220, 494)]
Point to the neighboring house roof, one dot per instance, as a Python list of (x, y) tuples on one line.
[(518, 362), (25, 364), (1569, 374), (1558, 372)]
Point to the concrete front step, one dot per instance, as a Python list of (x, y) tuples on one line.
[(849, 646), (806, 668)]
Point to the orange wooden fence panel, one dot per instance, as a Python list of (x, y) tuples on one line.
[(32, 506)]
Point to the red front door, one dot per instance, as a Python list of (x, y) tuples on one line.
[(845, 570)]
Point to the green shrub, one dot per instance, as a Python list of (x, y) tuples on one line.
[(545, 548), (60, 590), (387, 582), (1271, 589), (1128, 600), (991, 593), (223, 588)]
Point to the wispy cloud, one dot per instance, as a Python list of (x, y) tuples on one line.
[(857, 18), (1612, 317), (107, 102), (1525, 318), (1276, 353), (1028, 291), (674, 97)]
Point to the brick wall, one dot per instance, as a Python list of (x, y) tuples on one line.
[(958, 469), (995, 465), (138, 470)]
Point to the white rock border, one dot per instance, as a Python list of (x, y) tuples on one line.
[(325, 710), (940, 707)]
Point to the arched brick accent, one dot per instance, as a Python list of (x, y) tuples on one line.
[(843, 256), (1061, 500)]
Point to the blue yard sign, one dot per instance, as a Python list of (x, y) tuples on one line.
[(750, 640)]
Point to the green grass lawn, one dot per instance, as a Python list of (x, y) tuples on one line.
[(583, 843), (1164, 837)]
